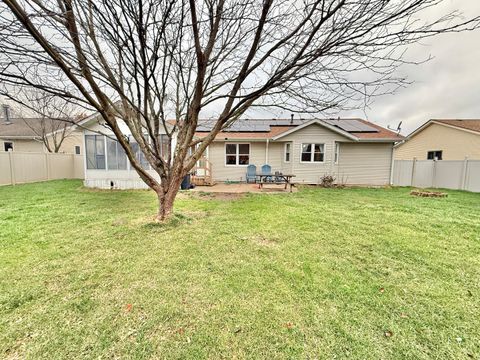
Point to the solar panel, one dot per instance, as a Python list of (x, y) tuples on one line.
[(351, 125), (263, 125), (244, 126), (238, 126)]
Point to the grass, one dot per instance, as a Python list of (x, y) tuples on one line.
[(359, 273)]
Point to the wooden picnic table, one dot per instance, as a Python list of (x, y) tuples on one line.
[(274, 179)]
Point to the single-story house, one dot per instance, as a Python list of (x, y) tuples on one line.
[(447, 139), (354, 151), (25, 135)]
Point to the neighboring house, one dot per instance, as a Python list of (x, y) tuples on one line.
[(442, 140), (355, 151), (23, 135)]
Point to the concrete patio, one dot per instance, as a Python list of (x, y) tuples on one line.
[(239, 188)]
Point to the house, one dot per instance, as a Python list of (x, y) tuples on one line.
[(448, 139), (355, 151), (25, 135)]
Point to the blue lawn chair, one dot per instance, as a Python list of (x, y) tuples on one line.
[(251, 173), (267, 170)]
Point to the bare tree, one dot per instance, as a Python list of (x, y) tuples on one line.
[(142, 61), (51, 118)]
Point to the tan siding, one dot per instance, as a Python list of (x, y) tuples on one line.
[(312, 172), (455, 144), (360, 163), (72, 140), (25, 145), (221, 172), (275, 156), (30, 145), (364, 163)]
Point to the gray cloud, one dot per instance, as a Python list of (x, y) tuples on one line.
[(448, 86)]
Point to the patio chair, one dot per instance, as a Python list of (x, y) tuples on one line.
[(266, 170), (278, 179), (251, 173)]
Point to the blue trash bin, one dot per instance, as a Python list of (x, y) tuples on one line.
[(185, 185)]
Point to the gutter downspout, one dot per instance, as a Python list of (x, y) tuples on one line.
[(391, 165), (266, 151)]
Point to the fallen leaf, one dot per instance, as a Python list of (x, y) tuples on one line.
[(382, 290), (289, 325), (128, 308), (388, 333), (181, 331)]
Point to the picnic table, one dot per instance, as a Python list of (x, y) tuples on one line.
[(274, 179)]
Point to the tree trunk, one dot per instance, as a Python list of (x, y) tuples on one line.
[(166, 197)]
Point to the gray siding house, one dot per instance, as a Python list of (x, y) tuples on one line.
[(354, 151)]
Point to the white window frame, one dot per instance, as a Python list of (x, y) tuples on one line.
[(104, 149), (127, 168), (313, 152), (289, 145), (237, 153), (336, 154), (132, 140)]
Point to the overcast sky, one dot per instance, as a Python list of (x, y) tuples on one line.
[(448, 86)]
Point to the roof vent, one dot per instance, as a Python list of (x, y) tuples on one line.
[(6, 114), (291, 119)]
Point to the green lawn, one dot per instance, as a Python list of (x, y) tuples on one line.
[(320, 273)]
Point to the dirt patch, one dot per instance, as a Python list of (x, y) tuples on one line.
[(260, 239), (264, 241), (218, 196)]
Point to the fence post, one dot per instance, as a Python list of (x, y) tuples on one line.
[(12, 167), (47, 165), (434, 173), (464, 174), (413, 172)]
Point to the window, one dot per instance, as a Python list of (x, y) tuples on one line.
[(237, 154), (95, 151), (287, 152), (8, 146), (337, 152), (313, 153), (434, 155), (77, 149), (164, 145), (116, 157), (139, 154)]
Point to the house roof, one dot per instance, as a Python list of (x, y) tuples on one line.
[(467, 124), (357, 129), (470, 125), (27, 128)]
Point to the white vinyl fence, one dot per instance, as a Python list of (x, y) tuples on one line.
[(25, 167), (448, 174)]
